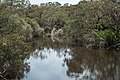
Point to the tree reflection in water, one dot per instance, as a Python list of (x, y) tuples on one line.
[(82, 63), (93, 65), (76, 64)]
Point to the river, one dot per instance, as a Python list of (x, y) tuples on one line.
[(57, 61)]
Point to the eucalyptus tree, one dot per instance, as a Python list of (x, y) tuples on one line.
[(17, 3)]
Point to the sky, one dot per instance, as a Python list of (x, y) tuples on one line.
[(60, 1)]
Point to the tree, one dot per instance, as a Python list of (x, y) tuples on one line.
[(17, 3)]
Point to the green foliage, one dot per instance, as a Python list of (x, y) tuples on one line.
[(13, 51), (80, 23), (16, 3), (13, 45), (108, 36)]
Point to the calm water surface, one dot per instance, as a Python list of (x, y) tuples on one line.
[(57, 62)]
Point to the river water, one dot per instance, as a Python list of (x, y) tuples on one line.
[(56, 61)]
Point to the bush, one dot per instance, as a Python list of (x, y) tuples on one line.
[(108, 36)]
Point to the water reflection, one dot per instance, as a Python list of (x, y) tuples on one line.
[(56, 61), (48, 64), (62, 63), (93, 65)]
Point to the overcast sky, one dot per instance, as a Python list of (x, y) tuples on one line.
[(61, 1)]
